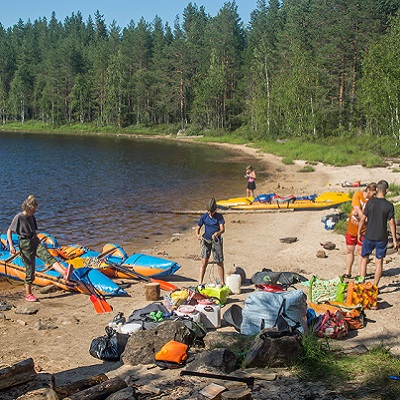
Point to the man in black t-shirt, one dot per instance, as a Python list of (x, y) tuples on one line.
[(378, 211)]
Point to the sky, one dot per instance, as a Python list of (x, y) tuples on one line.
[(122, 11)]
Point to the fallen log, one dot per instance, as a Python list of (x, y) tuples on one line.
[(77, 386), (21, 372), (100, 391)]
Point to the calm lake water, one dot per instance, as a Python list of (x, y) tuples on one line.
[(95, 190)]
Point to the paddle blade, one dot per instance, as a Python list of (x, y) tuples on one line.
[(169, 287), (100, 305)]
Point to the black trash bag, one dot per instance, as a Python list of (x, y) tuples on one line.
[(110, 346)]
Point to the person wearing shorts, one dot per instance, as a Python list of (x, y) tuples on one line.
[(358, 203), (25, 226), (251, 181), (211, 240), (378, 212)]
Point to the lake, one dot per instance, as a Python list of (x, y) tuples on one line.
[(94, 190)]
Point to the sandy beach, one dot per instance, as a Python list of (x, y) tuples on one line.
[(251, 241)]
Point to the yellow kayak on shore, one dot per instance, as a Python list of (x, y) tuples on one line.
[(313, 202)]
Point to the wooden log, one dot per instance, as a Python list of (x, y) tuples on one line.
[(242, 394), (100, 391), (152, 291), (78, 386), (21, 372)]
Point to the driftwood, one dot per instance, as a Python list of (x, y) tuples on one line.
[(100, 391), (78, 386), (19, 373)]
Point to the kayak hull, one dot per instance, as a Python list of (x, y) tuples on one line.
[(150, 266), (324, 201)]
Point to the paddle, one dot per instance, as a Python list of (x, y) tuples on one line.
[(11, 257), (107, 252), (169, 287), (99, 302), (60, 282)]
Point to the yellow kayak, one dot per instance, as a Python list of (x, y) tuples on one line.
[(325, 200), (233, 202)]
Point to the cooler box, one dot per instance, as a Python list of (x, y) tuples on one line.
[(210, 314)]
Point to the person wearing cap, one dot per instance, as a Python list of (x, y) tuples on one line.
[(211, 240)]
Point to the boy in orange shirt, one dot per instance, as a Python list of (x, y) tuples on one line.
[(358, 203)]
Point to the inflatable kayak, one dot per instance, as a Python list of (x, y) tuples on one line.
[(83, 279), (113, 261), (149, 266), (312, 202)]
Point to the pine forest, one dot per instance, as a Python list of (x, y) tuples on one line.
[(299, 68)]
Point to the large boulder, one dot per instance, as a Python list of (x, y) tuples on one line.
[(273, 352), (233, 341), (143, 345)]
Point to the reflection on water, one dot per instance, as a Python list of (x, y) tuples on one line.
[(95, 190)]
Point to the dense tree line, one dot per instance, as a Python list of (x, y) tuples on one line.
[(304, 68)]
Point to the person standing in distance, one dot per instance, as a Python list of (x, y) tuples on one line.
[(251, 181), (358, 203), (25, 226), (211, 240), (377, 212)]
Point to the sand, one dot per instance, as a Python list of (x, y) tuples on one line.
[(251, 241)]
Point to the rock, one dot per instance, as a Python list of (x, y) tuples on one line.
[(216, 361), (4, 306), (143, 345), (288, 240), (328, 245), (228, 340), (321, 254), (26, 310), (273, 352), (123, 394)]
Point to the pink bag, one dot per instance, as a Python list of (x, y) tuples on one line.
[(331, 325)]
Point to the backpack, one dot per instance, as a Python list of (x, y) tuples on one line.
[(172, 355)]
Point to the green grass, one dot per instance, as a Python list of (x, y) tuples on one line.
[(287, 160), (307, 168), (394, 190), (355, 376)]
